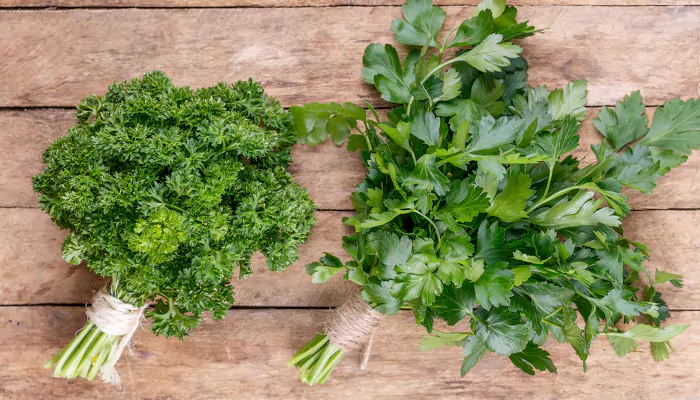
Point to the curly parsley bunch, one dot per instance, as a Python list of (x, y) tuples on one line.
[(473, 213), (167, 191)]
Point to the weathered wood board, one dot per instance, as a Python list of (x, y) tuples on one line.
[(59, 57), (320, 3), (328, 172), (245, 355), (30, 262), (302, 51)]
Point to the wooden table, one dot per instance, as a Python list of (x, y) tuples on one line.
[(54, 52)]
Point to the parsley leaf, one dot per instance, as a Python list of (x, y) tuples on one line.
[(569, 101), (509, 204), (676, 126), (491, 54), (455, 303), (626, 124), (501, 331), (426, 175), (421, 24), (533, 358), (473, 205)]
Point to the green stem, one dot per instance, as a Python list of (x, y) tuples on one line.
[(553, 324), (437, 232), (549, 181), (317, 359), (94, 349), (330, 366), (553, 312), (101, 358), (364, 135), (444, 42), (77, 357), (68, 350), (552, 197), (408, 109), (326, 355), (413, 156), (477, 319), (84, 355), (310, 348), (176, 208), (439, 68)]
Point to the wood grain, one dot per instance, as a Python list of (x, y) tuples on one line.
[(244, 356), (314, 54), (328, 172), (320, 3), (32, 272)]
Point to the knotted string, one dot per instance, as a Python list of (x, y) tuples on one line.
[(352, 326), (117, 318)]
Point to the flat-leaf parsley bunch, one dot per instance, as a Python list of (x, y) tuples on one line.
[(167, 191), (471, 210)]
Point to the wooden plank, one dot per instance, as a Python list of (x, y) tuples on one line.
[(60, 57), (328, 172), (245, 356), (320, 3), (32, 271), (31, 266), (24, 136)]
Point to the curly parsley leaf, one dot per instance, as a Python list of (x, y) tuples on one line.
[(167, 190)]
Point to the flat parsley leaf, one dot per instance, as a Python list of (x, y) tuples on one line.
[(533, 358), (454, 304), (501, 331), (421, 24), (509, 204)]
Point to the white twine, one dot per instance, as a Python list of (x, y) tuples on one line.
[(117, 318), (352, 326)]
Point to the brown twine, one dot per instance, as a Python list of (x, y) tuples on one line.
[(352, 326), (117, 318)]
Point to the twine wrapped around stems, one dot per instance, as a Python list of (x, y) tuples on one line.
[(352, 326), (117, 318)]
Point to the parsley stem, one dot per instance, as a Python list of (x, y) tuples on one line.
[(437, 232), (553, 312), (444, 42), (176, 208), (549, 181), (438, 68), (554, 324), (552, 197), (413, 156), (364, 134), (477, 319)]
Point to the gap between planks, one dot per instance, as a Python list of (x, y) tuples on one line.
[(248, 308), (262, 5)]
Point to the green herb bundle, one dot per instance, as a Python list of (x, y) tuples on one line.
[(473, 213), (166, 191)]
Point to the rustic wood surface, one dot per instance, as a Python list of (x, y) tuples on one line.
[(328, 172), (245, 356), (314, 54), (54, 52), (31, 264), (320, 3)]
